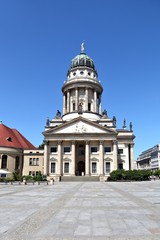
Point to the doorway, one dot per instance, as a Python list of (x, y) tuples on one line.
[(81, 168), (80, 159)]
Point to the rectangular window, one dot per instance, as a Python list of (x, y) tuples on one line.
[(108, 167), (34, 162), (32, 173), (53, 149), (94, 167), (53, 167), (107, 149), (66, 167), (93, 149), (30, 162), (120, 166), (37, 161), (67, 149), (120, 151)]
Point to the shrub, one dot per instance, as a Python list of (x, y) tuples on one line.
[(131, 175), (157, 173), (16, 176), (38, 178)]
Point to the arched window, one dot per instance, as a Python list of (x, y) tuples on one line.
[(17, 163), (4, 162), (74, 106), (89, 106)]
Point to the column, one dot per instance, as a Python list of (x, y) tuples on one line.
[(45, 170), (95, 101), (132, 155), (86, 99), (76, 95), (115, 160), (100, 104), (68, 101), (59, 167), (64, 103), (73, 159), (87, 162), (101, 158)]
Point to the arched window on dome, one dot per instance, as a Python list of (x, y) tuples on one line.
[(4, 162), (88, 64), (81, 62)]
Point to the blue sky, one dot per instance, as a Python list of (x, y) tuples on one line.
[(38, 39)]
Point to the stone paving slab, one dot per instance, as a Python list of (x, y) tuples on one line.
[(80, 211)]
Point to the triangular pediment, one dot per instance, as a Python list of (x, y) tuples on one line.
[(78, 126)]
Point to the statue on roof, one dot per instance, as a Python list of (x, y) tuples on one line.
[(124, 123), (131, 126), (58, 114), (114, 120), (80, 108), (47, 121), (104, 114), (82, 47)]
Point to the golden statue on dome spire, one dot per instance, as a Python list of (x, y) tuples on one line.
[(82, 47)]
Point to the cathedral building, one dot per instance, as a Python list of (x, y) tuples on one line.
[(83, 140)]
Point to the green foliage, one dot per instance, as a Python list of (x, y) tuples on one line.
[(157, 173), (41, 146), (6, 180), (38, 178), (28, 177), (130, 175), (16, 176)]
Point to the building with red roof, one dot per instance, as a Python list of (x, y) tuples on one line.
[(12, 146)]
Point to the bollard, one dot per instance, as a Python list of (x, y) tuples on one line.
[(52, 181)]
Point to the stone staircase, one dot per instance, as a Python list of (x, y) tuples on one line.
[(80, 178)]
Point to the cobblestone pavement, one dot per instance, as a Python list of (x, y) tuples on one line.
[(80, 210)]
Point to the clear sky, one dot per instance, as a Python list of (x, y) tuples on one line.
[(38, 39)]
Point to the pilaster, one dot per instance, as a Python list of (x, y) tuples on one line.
[(87, 162), (59, 168), (115, 160), (101, 157), (86, 99), (46, 164), (73, 159)]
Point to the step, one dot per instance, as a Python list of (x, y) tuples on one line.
[(80, 178)]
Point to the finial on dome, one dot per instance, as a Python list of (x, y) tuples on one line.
[(82, 47)]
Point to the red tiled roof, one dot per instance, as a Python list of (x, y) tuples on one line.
[(10, 137)]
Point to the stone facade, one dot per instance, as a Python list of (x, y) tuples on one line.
[(33, 162)]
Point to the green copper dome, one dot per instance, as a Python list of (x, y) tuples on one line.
[(82, 59)]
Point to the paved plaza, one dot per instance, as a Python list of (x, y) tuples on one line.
[(80, 210)]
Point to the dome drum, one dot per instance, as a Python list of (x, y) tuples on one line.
[(82, 84)]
